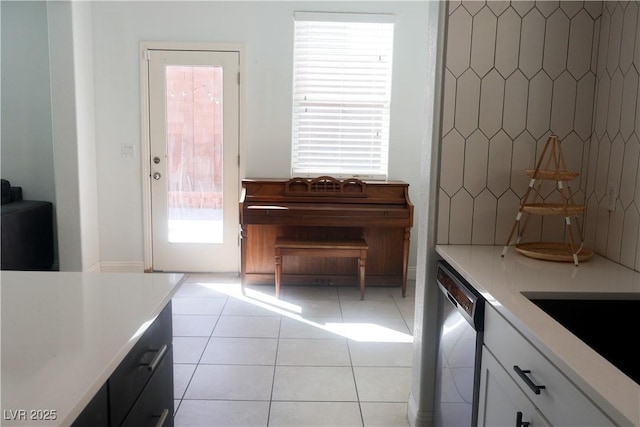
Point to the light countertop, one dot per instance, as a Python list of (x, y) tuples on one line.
[(63, 335), (503, 281)]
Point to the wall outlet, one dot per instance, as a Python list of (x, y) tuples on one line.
[(612, 195)]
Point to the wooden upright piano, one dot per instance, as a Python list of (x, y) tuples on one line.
[(326, 208)]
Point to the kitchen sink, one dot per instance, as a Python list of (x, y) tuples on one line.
[(608, 326)]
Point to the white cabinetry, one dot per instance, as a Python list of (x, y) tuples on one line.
[(540, 392), (502, 403)]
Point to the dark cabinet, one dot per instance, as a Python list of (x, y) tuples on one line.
[(140, 391), (154, 407), (96, 413), (136, 370)]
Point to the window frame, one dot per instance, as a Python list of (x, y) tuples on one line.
[(363, 148)]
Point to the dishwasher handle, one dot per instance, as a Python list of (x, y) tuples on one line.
[(452, 299)]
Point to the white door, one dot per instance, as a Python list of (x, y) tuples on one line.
[(194, 132)]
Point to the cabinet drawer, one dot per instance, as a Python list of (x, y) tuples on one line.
[(128, 380), (560, 400), (501, 400), (154, 407)]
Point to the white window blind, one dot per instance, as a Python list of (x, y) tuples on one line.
[(341, 94)]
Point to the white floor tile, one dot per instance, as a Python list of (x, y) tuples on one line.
[(367, 308), (410, 293), (370, 293), (381, 354), (382, 414), (317, 308), (247, 327), (224, 278), (236, 307), (207, 306), (407, 308), (372, 329), (188, 349), (316, 414), (182, 374), (313, 352), (294, 293), (323, 384), (231, 382), (383, 384), (240, 351), (208, 288), (267, 290), (308, 327), (215, 413), (193, 325)]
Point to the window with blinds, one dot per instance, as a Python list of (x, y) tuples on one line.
[(341, 94)]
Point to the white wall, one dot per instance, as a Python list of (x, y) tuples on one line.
[(266, 30), (73, 135), (27, 151), (86, 146), (65, 154)]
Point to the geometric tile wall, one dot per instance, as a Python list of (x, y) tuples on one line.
[(514, 74), (615, 149), (517, 72)]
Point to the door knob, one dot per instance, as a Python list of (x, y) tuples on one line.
[(157, 176)]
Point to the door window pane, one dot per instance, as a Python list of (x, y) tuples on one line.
[(194, 154)]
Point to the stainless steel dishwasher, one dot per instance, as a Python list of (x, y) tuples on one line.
[(461, 322)]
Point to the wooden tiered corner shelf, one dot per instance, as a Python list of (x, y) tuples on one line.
[(554, 169)]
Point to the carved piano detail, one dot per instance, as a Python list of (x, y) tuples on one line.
[(326, 208)]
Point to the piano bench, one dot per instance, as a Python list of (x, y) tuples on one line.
[(286, 246)]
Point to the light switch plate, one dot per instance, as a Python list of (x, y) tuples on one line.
[(127, 151)]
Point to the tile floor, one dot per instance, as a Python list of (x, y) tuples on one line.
[(317, 357)]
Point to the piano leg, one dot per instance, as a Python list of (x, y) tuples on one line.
[(361, 271), (243, 256), (278, 271), (405, 260)]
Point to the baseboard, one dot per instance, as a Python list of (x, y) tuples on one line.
[(138, 267), (121, 267), (415, 416), (95, 268)]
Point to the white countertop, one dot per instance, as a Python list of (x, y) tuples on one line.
[(63, 335), (502, 281)]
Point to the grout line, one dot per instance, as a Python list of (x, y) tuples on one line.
[(353, 372), (275, 366)]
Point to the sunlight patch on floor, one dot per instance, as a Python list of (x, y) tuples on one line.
[(357, 331)]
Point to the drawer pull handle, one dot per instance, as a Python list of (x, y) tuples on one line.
[(151, 366), (163, 418), (523, 374), (519, 422)]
